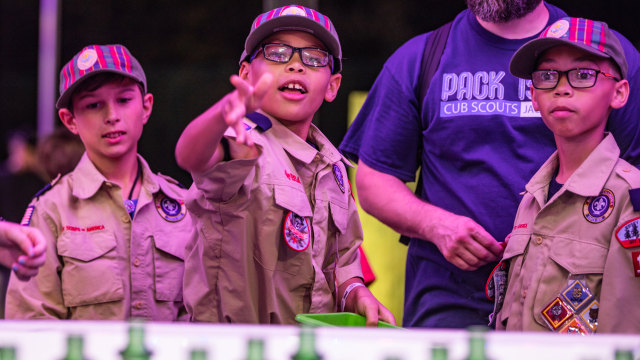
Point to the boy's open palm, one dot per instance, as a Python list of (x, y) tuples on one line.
[(244, 100)]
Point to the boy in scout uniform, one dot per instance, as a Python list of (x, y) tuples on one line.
[(572, 259), (278, 227), (115, 231)]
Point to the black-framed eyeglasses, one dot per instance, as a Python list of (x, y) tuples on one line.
[(581, 78), (282, 53)]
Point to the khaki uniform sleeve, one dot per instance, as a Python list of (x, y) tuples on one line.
[(41, 296), (349, 239)]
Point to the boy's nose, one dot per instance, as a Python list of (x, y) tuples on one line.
[(563, 87), (111, 114), (295, 64)]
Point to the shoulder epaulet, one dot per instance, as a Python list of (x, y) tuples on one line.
[(171, 180), (46, 187), (629, 173), (634, 196), (263, 123)]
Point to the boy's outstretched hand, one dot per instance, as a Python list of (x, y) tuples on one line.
[(361, 301), (244, 100), (22, 248)]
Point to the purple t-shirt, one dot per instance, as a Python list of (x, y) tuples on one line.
[(479, 141)]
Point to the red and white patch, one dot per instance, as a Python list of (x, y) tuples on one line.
[(635, 256), (628, 234), (296, 231)]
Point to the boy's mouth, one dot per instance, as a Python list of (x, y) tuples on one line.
[(293, 86), (113, 134)]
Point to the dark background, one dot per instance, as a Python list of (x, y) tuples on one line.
[(190, 48)]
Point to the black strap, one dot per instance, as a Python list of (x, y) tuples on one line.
[(433, 49)]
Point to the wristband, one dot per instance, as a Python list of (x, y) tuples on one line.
[(347, 292)]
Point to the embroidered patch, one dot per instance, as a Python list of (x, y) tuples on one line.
[(87, 59), (297, 231), (26, 219), (635, 256), (292, 177), (575, 326), (597, 209), (590, 315), (628, 234), (172, 210), (556, 313), (558, 28), (337, 174), (576, 295)]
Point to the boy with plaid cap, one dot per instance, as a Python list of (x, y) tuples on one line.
[(115, 231), (572, 261), (278, 227)]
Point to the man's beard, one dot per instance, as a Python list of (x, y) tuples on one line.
[(501, 11)]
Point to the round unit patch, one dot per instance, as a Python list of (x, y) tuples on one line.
[(87, 59), (558, 28), (297, 231), (170, 209), (597, 209)]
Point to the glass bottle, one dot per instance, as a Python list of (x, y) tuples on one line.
[(307, 347), (255, 350), (136, 350), (75, 346), (624, 354), (7, 353), (198, 354), (477, 343), (439, 352)]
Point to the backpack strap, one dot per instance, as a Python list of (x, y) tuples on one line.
[(433, 49)]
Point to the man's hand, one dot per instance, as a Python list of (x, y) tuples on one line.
[(22, 248)]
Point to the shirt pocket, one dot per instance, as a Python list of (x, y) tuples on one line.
[(90, 274), (279, 256), (567, 257), (168, 259)]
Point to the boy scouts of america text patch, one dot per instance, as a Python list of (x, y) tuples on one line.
[(170, 209), (597, 209), (297, 231)]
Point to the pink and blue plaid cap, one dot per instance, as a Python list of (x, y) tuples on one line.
[(95, 59), (294, 17), (594, 37)]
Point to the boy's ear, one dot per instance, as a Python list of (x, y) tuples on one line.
[(244, 70), (147, 106), (332, 88), (534, 101), (620, 94), (68, 119)]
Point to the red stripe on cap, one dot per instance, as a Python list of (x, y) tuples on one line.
[(588, 30), (573, 30), (258, 20), (125, 58), (270, 14), (603, 39), (65, 74), (114, 56), (101, 60)]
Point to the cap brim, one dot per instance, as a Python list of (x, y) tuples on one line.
[(63, 100), (524, 61), (293, 23)]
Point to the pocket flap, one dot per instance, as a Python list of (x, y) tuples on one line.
[(85, 246), (340, 216), (579, 257), (516, 246), (293, 199), (173, 243)]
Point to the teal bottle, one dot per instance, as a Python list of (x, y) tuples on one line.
[(198, 354), (8, 353), (477, 343), (255, 350), (136, 350), (307, 347), (75, 348), (439, 352)]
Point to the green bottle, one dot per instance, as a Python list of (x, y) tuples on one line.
[(7, 353), (439, 352), (624, 354), (307, 347), (256, 350), (136, 349), (477, 343), (198, 354), (75, 345)]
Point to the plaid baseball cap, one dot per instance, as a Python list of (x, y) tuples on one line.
[(96, 59), (294, 17), (594, 37)]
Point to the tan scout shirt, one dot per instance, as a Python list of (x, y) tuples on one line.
[(552, 240), (240, 269), (100, 264)]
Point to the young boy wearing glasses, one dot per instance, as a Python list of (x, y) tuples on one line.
[(278, 227), (572, 258)]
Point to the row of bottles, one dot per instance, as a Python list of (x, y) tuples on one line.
[(137, 350)]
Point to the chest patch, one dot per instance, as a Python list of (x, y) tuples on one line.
[(337, 174), (597, 209), (172, 210), (297, 231), (628, 233)]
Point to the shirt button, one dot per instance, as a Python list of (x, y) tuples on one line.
[(138, 305), (125, 218), (538, 240), (136, 262), (524, 293)]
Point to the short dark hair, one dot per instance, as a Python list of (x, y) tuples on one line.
[(97, 81)]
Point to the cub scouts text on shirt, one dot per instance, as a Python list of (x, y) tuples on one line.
[(482, 94)]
